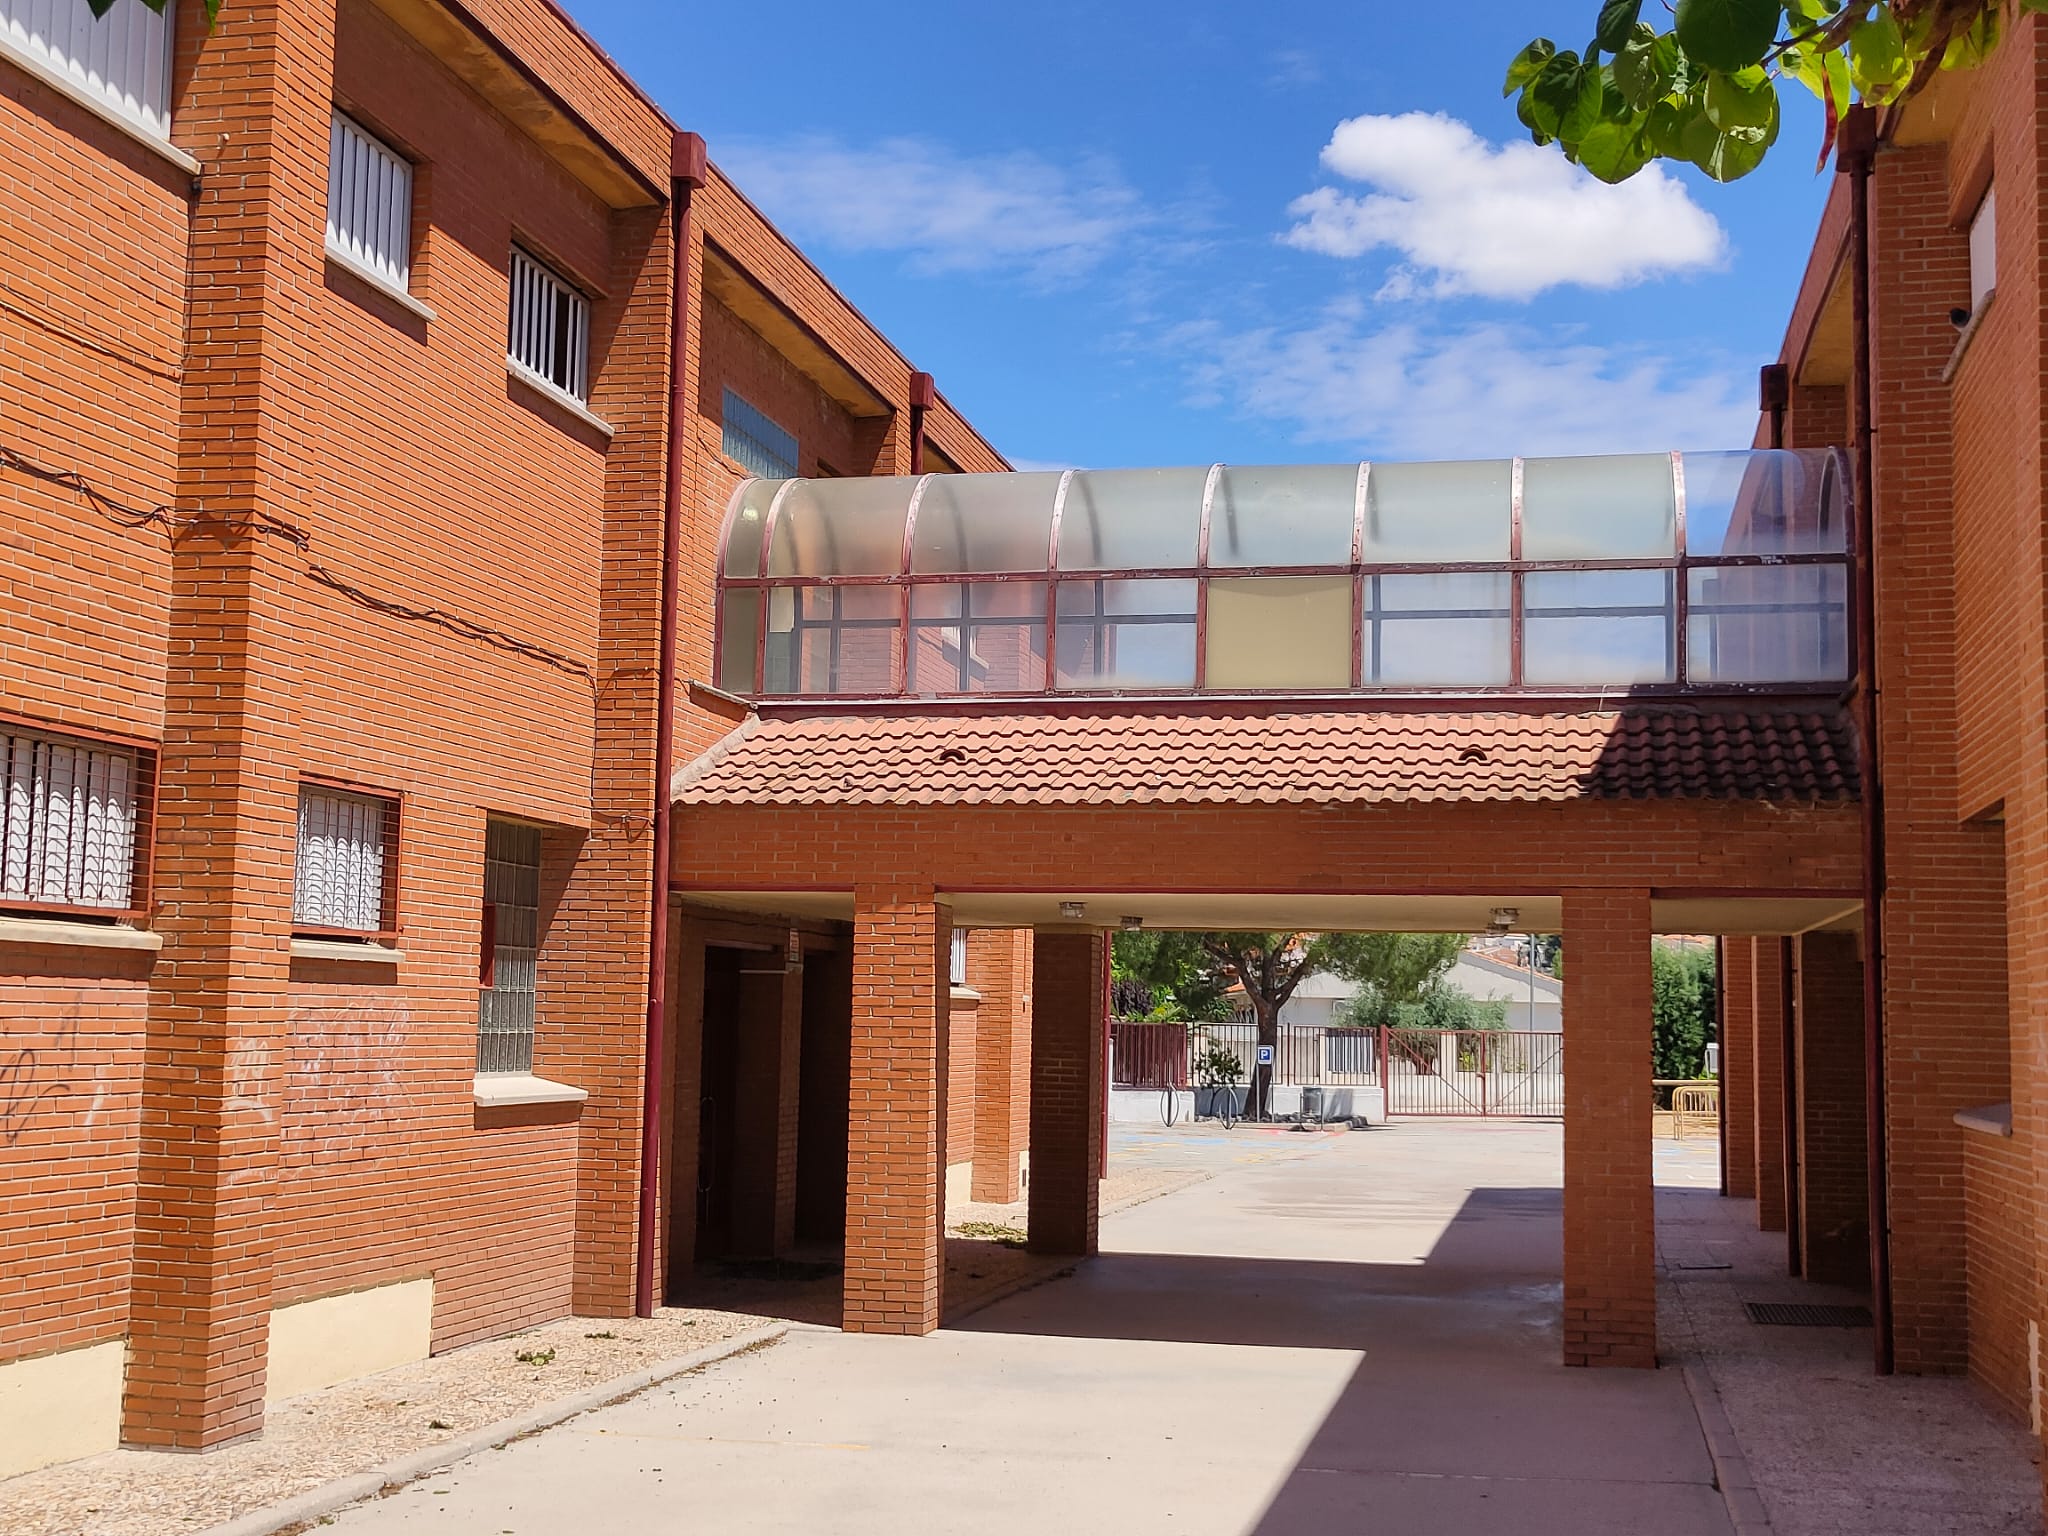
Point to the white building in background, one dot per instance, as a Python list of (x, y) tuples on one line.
[(1533, 1004)]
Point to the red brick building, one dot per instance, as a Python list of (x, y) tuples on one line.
[(432, 375), (335, 431)]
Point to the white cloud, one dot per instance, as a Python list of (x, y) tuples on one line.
[(1409, 392), (1503, 222), (948, 212)]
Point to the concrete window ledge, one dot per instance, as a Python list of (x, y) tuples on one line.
[(341, 261), (496, 1090), (347, 951), (1968, 335), (559, 398), (1987, 1119), (966, 995), (59, 934)]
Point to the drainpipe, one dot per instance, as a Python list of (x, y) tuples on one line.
[(687, 168), (1720, 1039), (1855, 156), (923, 395)]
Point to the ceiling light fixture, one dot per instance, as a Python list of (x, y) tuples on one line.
[(1073, 911)]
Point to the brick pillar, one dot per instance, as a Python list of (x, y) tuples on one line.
[(999, 968), (1767, 1007), (821, 1098), (1834, 1184), (1068, 1079), (686, 1098), (226, 795), (593, 996), (765, 1112), (1610, 1271), (896, 1138), (1944, 973), (1738, 1069)]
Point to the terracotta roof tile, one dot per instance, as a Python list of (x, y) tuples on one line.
[(1097, 757)]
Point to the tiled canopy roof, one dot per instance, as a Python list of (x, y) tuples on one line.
[(1098, 757)]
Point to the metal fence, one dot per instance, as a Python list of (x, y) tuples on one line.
[(1478, 1072)]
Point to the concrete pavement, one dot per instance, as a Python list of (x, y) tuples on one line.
[(1350, 1332)]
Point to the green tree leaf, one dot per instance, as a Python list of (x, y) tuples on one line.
[(1746, 99), (1526, 66), (1877, 54), (1645, 66), (1615, 151), (1617, 20), (1727, 34)]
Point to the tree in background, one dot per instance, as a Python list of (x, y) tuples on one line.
[(1682, 998), (1706, 91), (1196, 971)]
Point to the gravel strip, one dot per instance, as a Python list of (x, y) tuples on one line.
[(354, 1428)]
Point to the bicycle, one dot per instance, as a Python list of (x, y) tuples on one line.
[(1169, 1106)]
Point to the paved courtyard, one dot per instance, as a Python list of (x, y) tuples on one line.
[(1348, 1331)]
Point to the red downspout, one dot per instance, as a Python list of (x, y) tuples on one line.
[(687, 167), (1720, 1039), (923, 395), (1855, 156)]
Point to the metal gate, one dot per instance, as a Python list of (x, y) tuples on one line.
[(1486, 1072)]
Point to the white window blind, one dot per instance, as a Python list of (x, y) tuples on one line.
[(1984, 249), (339, 881), (67, 822), (959, 964), (122, 59), (549, 333), (369, 204)]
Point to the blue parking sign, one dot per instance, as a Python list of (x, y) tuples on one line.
[(1265, 1055)]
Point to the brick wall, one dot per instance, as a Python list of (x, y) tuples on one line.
[(1834, 1188), (1739, 1045)]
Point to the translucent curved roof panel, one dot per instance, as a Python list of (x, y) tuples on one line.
[(1717, 572)]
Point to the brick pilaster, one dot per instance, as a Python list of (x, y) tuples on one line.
[(1767, 1007), (225, 832), (896, 1137), (1738, 1068), (999, 968), (1610, 1280), (1834, 1187), (1068, 1079)]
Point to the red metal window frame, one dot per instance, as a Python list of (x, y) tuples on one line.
[(142, 874), (388, 928)]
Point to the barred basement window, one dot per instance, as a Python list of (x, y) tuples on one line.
[(549, 336), (749, 437), (511, 945), (345, 878), (369, 204), (68, 822), (122, 59)]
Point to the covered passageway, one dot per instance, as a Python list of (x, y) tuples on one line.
[(1603, 693)]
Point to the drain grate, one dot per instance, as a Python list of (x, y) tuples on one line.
[(1803, 1314)]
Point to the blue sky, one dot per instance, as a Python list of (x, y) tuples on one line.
[(1160, 234)]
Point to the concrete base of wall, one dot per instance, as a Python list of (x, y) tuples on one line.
[(60, 1407), (315, 1344), (1147, 1106)]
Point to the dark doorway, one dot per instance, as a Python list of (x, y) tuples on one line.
[(718, 1100), (822, 1096)]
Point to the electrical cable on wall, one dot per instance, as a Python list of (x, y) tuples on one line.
[(175, 523)]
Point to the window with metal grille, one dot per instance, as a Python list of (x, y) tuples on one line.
[(511, 945), (121, 59), (369, 204), (958, 973), (750, 438), (68, 822), (549, 336), (343, 880)]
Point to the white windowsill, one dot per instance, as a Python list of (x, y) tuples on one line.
[(496, 1090), (965, 995), (64, 85), (353, 952), (1987, 1119), (1967, 335), (519, 373), (56, 932), (336, 257)]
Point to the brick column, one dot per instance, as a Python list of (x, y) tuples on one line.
[(1610, 1270), (226, 794), (896, 1138), (1767, 1008), (1738, 1069), (765, 1112), (1068, 1079), (1834, 1184), (999, 968)]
